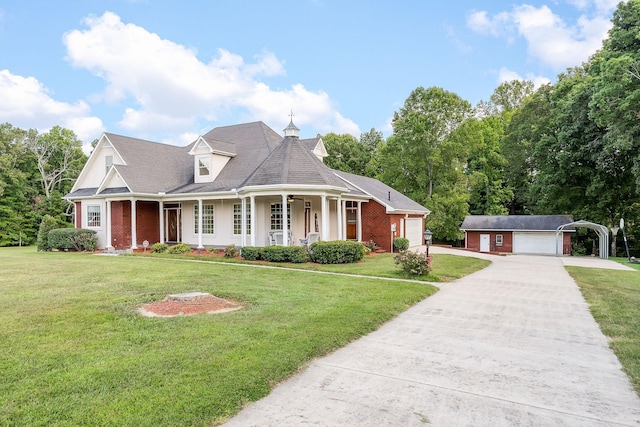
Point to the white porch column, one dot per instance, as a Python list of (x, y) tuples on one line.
[(200, 245), (285, 215), (134, 225), (107, 223), (253, 220), (359, 222), (243, 221), (325, 218), (340, 213), (161, 209)]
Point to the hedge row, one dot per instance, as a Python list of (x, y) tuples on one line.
[(78, 239), (337, 252), (294, 254)]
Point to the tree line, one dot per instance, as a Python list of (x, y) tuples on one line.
[(36, 171), (570, 147)]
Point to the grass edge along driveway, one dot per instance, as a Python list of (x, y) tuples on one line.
[(614, 301), (75, 351)]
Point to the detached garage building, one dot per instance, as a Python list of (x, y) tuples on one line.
[(517, 234)]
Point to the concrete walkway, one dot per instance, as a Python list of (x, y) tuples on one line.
[(511, 345)]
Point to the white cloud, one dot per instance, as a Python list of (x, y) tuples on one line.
[(173, 89), (32, 107), (506, 75), (550, 38), (499, 25)]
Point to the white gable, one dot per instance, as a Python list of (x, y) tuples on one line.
[(319, 150), (95, 170), (112, 180), (208, 163), (201, 147)]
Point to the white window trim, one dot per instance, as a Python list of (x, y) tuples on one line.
[(100, 216), (247, 214), (195, 219)]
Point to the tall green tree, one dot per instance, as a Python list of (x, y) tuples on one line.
[(17, 222), (59, 158), (511, 95), (346, 153), (526, 126), (488, 194), (421, 161), (615, 102)]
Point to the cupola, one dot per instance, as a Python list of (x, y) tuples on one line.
[(292, 130)]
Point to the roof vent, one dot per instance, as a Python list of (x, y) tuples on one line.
[(292, 130)]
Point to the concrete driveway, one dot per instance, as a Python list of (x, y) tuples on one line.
[(511, 345)]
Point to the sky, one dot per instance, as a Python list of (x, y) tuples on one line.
[(170, 71)]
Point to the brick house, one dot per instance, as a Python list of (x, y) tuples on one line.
[(234, 185), (518, 234)]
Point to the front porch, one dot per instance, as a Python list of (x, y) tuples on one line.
[(254, 220)]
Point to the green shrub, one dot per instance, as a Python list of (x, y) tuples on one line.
[(85, 241), (159, 248), (413, 263), (180, 248), (78, 239), (294, 254), (400, 244), (336, 252), (231, 251), (47, 224), (252, 253), (212, 250)]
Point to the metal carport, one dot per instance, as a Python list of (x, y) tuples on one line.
[(601, 231)]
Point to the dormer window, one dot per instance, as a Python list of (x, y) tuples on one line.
[(210, 157), (203, 167)]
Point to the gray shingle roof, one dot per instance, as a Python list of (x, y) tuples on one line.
[(260, 157), (152, 167), (383, 193), (253, 143), (515, 222), (293, 163)]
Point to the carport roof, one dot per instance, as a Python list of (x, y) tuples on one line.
[(516, 222)]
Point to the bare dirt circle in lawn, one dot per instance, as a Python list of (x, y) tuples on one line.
[(188, 304)]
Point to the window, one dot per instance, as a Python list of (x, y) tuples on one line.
[(237, 218), (276, 217), (498, 239), (203, 167), (108, 162), (93, 216), (208, 213)]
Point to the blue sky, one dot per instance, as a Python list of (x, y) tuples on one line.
[(169, 71)]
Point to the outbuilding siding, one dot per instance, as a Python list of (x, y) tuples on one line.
[(473, 241)]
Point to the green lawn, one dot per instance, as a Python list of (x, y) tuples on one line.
[(445, 267), (75, 352), (614, 299)]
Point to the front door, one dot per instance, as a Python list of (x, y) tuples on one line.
[(351, 224), (485, 240), (352, 221), (173, 225)]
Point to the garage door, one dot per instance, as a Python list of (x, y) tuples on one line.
[(540, 243), (414, 231)]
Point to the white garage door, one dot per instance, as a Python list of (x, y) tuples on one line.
[(414, 231), (540, 243)]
